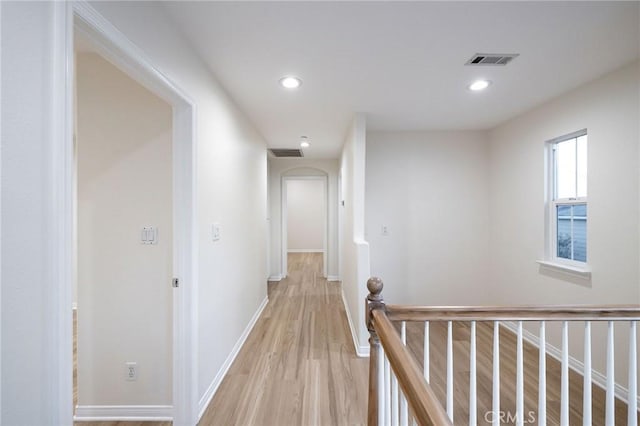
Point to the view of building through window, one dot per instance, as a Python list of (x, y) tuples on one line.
[(570, 197)]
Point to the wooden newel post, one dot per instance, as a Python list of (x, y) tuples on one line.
[(373, 301)]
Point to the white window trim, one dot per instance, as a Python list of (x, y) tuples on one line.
[(571, 270), (552, 261)]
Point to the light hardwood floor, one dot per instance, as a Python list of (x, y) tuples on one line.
[(298, 366)]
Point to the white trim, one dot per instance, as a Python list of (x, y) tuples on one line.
[(123, 413), (361, 351), (576, 365), (575, 271), (61, 208), (333, 278), (275, 278), (0, 208), (551, 204), (118, 49), (306, 251), (213, 387)]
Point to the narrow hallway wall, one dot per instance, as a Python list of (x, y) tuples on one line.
[(354, 249)]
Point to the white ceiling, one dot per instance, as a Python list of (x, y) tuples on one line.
[(402, 63)]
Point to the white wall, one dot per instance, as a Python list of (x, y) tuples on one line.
[(431, 191), (124, 183), (289, 167), (465, 210), (609, 109), (30, 371), (231, 190), (231, 180), (353, 247), (306, 214)]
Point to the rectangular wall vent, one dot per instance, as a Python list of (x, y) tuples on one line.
[(492, 58), (285, 152)]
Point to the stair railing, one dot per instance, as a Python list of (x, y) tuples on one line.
[(399, 390)]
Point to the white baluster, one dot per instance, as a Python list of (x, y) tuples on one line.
[(381, 389), (450, 370), (564, 380), (387, 391), (519, 379), (473, 421), (586, 374), (632, 414), (610, 398), (496, 374), (426, 351), (404, 408), (394, 400), (542, 377)]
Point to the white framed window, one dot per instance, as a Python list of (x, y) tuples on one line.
[(568, 207)]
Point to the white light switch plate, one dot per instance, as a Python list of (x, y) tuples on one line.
[(215, 231), (149, 235)]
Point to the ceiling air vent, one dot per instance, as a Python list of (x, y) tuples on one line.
[(283, 153), (492, 58)]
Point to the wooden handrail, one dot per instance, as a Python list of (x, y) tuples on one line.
[(425, 406), (513, 313), (423, 403)]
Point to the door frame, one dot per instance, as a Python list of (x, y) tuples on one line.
[(120, 51), (283, 227)]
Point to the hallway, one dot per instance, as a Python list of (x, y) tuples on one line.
[(298, 366)]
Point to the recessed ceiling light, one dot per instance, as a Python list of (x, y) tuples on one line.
[(304, 142), (479, 85), (290, 82)]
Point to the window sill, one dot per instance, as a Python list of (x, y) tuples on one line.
[(574, 271)]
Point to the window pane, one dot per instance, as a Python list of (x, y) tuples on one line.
[(564, 232), (572, 232), (580, 210), (582, 165), (565, 159), (580, 232), (564, 211)]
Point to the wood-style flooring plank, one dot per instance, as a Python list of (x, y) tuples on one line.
[(298, 366)]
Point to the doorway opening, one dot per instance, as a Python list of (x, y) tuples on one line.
[(123, 243), (304, 217), (80, 18)]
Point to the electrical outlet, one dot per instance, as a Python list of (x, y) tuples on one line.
[(384, 230), (131, 371)]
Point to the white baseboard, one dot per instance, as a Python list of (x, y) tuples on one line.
[(333, 278), (275, 278), (213, 387), (361, 351), (576, 365), (305, 251), (106, 413)]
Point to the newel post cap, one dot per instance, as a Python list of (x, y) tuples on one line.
[(374, 285)]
